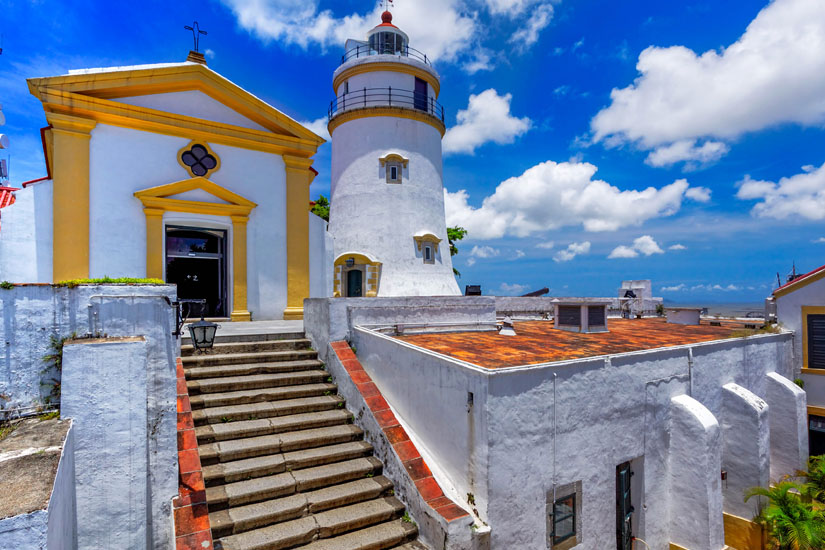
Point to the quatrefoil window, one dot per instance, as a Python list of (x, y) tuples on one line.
[(198, 159)]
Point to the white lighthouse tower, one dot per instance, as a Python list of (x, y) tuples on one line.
[(387, 214)]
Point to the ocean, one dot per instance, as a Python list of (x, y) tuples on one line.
[(729, 309)]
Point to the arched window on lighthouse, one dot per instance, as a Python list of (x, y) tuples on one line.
[(393, 166)]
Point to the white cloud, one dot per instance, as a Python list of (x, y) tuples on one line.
[(551, 195), (471, 262), (319, 126), (519, 254), (771, 75), (716, 288), (677, 247), (547, 245), (798, 195), (209, 53), (820, 240), (572, 250), (301, 22), (699, 194), (481, 60), (623, 251), (675, 288), (505, 7), (484, 252), (643, 245), (513, 289), (686, 150), (528, 35), (486, 119)]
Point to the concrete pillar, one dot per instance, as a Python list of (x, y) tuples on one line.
[(104, 391), (695, 481), (789, 426), (745, 448)]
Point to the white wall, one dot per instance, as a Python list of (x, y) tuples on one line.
[(119, 168), (789, 314), (370, 215), (320, 258), (62, 527), (608, 410), (26, 236)]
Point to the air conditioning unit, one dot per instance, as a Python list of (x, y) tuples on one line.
[(581, 314)]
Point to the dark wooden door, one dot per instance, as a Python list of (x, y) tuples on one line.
[(624, 508), (354, 283), (421, 94)]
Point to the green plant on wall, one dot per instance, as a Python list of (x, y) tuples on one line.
[(54, 367), (790, 521), (71, 283)]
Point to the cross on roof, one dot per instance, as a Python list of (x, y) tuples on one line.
[(196, 32)]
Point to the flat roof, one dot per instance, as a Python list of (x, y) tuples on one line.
[(538, 342)]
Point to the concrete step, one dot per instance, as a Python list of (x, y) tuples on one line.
[(260, 395), (253, 516), (256, 381), (412, 545), (323, 525), (287, 483), (225, 451), (250, 347), (256, 357), (251, 411), (218, 371), (378, 537), (239, 470), (252, 337), (265, 426)]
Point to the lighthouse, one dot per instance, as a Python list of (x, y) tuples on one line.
[(387, 214)]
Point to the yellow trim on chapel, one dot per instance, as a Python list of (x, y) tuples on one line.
[(175, 78), (389, 66), (298, 178), (155, 202), (70, 137), (396, 112), (808, 310)]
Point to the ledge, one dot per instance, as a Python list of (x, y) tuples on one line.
[(192, 528), (406, 451)]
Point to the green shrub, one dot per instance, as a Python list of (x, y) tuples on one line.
[(71, 283)]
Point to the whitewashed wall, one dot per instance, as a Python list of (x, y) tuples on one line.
[(118, 229), (789, 314), (320, 258), (26, 236), (370, 215), (608, 410)]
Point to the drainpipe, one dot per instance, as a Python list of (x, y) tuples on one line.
[(690, 371)]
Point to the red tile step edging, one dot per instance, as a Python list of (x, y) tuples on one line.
[(419, 472), (192, 529)]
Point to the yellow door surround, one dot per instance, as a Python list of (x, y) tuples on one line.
[(156, 201)]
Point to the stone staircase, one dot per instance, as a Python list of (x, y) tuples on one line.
[(284, 465)]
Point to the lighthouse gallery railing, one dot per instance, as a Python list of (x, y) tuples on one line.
[(383, 97)]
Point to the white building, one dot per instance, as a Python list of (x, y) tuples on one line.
[(172, 172), (800, 307), (387, 213)]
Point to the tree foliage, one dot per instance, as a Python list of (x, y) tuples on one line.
[(791, 522), (321, 208), (455, 234)]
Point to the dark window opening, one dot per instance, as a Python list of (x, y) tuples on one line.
[(564, 518), (198, 159), (816, 435), (595, 316), (196, 263), (570, 315), (420, 96), (816, 341), (393, 173)]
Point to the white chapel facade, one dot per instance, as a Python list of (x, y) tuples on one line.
[(387, 203), (171, 172)]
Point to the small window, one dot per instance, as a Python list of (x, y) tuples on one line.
[(393, 172), (564, 518), (346, 86), (428, 254)]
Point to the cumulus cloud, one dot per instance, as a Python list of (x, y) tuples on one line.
[(551, 195), (484, 252), (677, 247), (486, 119), (704, 287), (547, 245), (319, 126), (771, 75), (820, 240), (512, 289), (643, 245), (674, 288), (303, 23), (519, 254), (686, 150), (528, 35), (471, 261), (800, 195), (572, 250), (698, 194)]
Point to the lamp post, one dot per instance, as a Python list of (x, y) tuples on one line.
[(203, 334)]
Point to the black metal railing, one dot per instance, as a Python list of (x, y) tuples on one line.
[(383, 97), (366, 50)]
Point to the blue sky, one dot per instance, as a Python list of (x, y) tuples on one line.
[(588, 142)]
